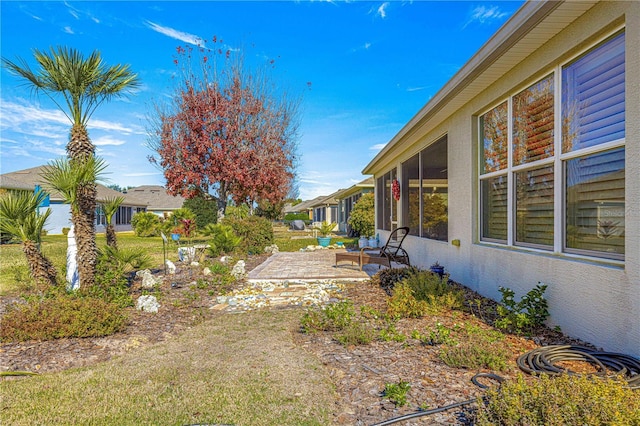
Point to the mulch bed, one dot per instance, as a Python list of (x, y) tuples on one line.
[(359, 373)]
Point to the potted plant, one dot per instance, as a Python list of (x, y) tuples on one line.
[(324, 230), (175, 233), (436, 268)]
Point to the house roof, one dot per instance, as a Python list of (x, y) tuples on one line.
[(328, 200), (29, 178), (354, 189), (535, 23), (157, 198)]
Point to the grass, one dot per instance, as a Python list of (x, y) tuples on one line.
[(239, 369)]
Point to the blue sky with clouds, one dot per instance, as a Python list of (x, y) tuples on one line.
[(371, 65)]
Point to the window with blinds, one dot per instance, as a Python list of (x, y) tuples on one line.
[(518, 178)]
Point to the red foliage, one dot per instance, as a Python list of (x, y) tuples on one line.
[(226, 135)]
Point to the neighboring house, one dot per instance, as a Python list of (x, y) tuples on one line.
[(525, 168), (325, 209), (60, 217), (157, 199), (304, 207), (347, 198)]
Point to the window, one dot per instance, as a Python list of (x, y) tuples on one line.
[(526, 167), (386, 205), (425, 192)]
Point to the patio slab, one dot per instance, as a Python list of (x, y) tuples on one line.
[(307, 266)]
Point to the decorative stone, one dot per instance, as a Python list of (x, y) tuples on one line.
[(171, 267), (238, 271), (224, 259), (273, 248), (206, 272), (194, 263), (147, 303), (148, 280)]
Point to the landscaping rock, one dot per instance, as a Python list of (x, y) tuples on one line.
[(171, 267), (206, 272), (148, 280), (273, 248), (238, 270), (147, 303)]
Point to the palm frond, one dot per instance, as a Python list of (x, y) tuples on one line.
[(19, 215), (110, 207), (66, 176)]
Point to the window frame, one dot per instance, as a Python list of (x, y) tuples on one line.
[(558, 161)]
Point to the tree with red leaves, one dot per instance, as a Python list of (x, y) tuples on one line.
[(228, 132)]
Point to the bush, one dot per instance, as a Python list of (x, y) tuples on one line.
[(290, 217), (204, 209), (361, 219), (434, 290), (403, 303), (256, 232), (530, 312), (145, 224), (560, 400), (60, 317), (388, 277), (334, 317), (224, 240), (474, 354)]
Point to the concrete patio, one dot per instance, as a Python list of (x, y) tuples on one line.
[(308, 266)]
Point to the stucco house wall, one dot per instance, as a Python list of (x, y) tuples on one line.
[(591, 298)]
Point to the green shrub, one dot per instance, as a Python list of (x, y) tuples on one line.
[(333, 317), (397, 392), (60, 317), (224, 240), (433, 289), (473, 354), (290, 217), (387, 278), (256, 232), (356, 333), (389, 333), (560, 400), (523, 316), (145, 224), (361, 219), (403, 303), (204, 208)]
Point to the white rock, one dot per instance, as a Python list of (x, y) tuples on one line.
[(206, 272), (148, 280), (194, 263), (238, 270), (224, 259), (147, 303), (171, 267)]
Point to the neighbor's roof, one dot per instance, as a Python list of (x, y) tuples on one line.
[(29, 178), (354, 189), (535, 23), (157, 198)]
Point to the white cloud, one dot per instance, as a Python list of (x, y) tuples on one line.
[(484, 14), (178, 35), (68, 30), (382, 10), (108, 140), (141, 174), (377, 147)]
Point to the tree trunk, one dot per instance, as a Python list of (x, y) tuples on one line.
[(80, 149), (111, 236), (41, 268)]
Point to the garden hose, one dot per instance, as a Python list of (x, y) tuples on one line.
[(421, 413), (544, 361)]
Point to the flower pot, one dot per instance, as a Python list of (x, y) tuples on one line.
[(373, 242), (363, 242), (437, 270), (324, 241)]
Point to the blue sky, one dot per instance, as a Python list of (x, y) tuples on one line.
[(371, 65)]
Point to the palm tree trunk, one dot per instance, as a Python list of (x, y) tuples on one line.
[(80, 149), (111, 236), (41, 268)]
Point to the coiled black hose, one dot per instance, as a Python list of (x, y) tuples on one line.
[(544, 361)]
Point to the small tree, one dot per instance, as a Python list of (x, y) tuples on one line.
[(362, 220), (19, 217), (110, 207), (145, 224)]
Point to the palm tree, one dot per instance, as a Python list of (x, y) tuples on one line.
[(73, 180), (84, 84), (19, 217), (110, 207)]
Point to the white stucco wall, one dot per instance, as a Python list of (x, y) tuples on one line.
[(60, 218), (592, 299)]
